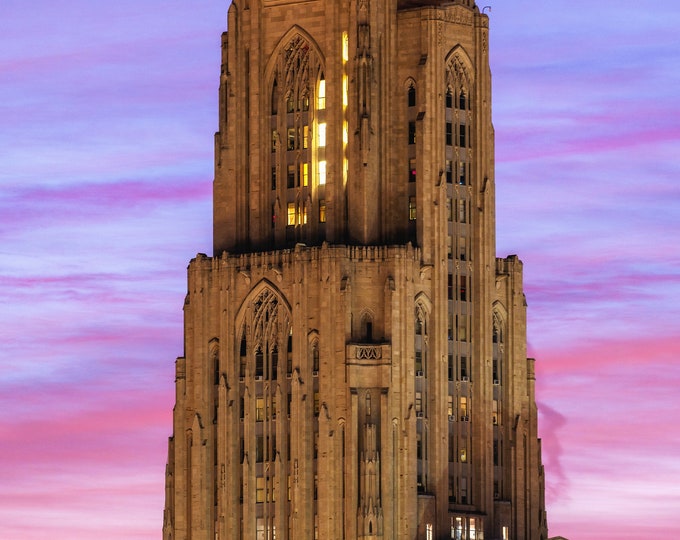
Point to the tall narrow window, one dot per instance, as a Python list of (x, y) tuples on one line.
[(322, 135), (291, 139), (290, 176), (304, 173), (462, 101), (449, 134), (412, 133), (322, 211), (321, 95), (462, 173), (411, 96), (291, 214), (462, 130), (412, 208), (322, 172), (412, 170)]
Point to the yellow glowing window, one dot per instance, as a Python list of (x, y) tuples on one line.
[(449, 405), (304, 173), (463, 455), (305, 136), (321, 95), (463, 406), (322, 135), (322, 173), (259, 409), (304, 215), (291, 214), (412, 208), (322, 211), (345, 47), (259, 489), (345, 91)]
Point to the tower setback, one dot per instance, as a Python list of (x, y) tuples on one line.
[(355, 354)]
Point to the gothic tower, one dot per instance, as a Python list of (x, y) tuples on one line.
[(355, 354)]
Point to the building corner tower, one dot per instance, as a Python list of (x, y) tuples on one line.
[(355, 354)]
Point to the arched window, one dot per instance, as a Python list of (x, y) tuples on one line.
[(367, 327), (298, 135)]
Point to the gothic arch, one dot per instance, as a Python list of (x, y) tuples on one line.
[(459, 69), (293, 43), (264, 317)]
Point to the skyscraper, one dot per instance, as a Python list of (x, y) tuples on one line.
[(355, 354)]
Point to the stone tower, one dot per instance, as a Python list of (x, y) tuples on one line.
[(355, 354)]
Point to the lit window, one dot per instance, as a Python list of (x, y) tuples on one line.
[(322, 173), (304, 173), (345, 91), (463, 455), (322, 135), (305, 136), (291, 214), (473, 529), (322, 211), (505, 533), (463, 409), (304, 103), (304, 215), (259, 409), (412, 208), (428, 531), (259, 491), (449, 405), (321, 95)]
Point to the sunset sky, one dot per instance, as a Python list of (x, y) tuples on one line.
[(107, 115)]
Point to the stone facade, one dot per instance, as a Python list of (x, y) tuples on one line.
[(355, 354)]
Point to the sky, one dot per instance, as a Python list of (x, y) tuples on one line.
[(107, 115)]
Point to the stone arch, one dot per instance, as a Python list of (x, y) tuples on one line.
[(366, 325), (295, 51), (263, 326), (459, 68)]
